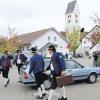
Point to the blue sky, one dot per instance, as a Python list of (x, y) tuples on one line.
[(32, 15)]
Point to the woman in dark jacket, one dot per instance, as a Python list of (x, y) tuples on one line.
[(6, 64)]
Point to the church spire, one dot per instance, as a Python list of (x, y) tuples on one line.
[(72, 16)]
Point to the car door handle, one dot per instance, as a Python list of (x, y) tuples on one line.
[(32, 76)]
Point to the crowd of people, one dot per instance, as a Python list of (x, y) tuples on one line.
[(37, 67), (56, 67), (6, 64)]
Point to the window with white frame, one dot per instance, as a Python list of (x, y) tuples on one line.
[(76, 21), (76, 16), (55, 39), (69, 21)]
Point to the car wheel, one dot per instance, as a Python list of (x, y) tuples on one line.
[(47, 84), (92, 78)]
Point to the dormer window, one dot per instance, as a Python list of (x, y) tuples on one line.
[(76, 16), (55, 38), (69, 16), (76, 21), (69, 21)]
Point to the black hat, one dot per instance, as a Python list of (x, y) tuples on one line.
[(82, 30), (52, 47), (33, 49), (5, 52), (18, 51)]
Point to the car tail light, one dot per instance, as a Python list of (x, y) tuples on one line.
[(25, 75)]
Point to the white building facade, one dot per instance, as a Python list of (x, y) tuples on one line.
[(45, 38), (95, 48), (87, 45)]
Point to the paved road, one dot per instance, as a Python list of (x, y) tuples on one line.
[(17, 91)]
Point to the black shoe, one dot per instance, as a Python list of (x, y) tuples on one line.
[(44, 94), (38, 97), (62, 98), (65, 99), (59, 98), (19, 81), (8, 81), (5, 85)]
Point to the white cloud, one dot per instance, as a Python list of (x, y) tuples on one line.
[(30, 15)]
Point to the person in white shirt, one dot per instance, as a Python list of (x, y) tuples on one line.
[(19, 60)]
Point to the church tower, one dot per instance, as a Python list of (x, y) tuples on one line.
[(72, 16)]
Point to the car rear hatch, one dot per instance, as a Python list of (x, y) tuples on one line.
[(25, 77)]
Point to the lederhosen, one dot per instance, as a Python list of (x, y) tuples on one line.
[(18, 67), (53, 80), (5, 72), (54, 75), (39, 77)]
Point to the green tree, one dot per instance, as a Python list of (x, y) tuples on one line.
[(3, 42), (10, 43), (74, 40)]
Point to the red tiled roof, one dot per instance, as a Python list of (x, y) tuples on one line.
[(63, 33)]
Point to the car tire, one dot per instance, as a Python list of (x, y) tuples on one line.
[(47, 84), (92, 78)]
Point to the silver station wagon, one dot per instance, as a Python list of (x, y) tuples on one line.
[(78, 72)]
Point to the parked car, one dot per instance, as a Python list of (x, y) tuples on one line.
[(30, 79), (78, 72)]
